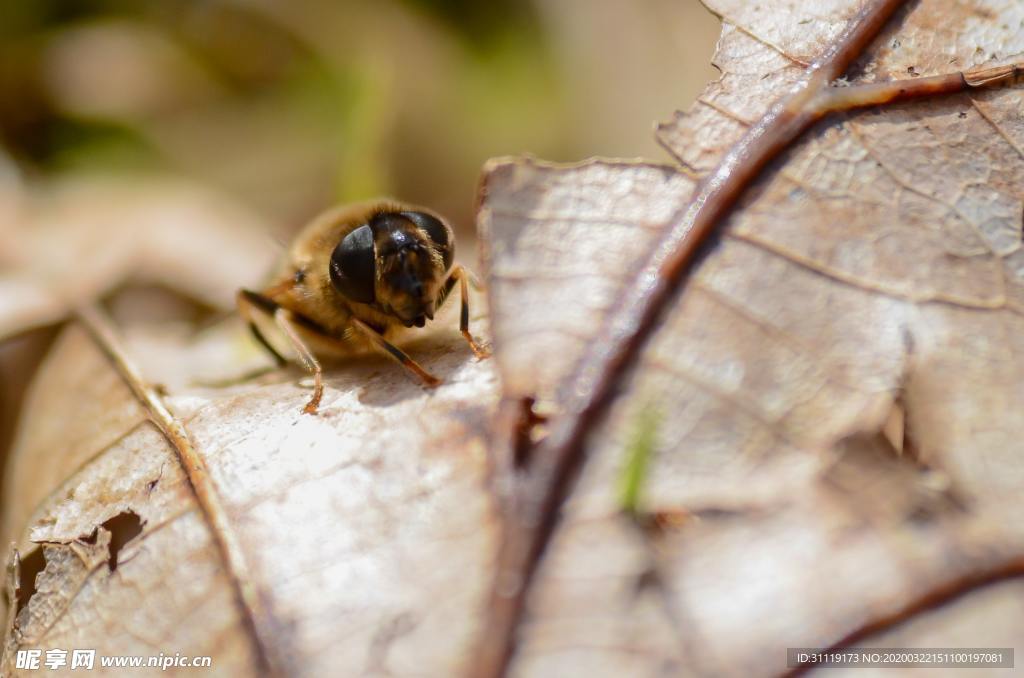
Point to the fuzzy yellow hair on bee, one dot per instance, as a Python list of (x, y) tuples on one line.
[(353, 278)]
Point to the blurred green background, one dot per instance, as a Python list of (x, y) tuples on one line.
[(291, 106), (117, 114)]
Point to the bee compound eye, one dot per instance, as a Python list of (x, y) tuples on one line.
[(353, 270), (439, 233)]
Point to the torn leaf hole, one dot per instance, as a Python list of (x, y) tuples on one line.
[(886, 483), (894, 429), (123, 527), (898, 434), (528, 430), (30, 565)]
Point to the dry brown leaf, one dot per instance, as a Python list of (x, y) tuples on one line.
[(866, 285), (365, 532), (872, 271)]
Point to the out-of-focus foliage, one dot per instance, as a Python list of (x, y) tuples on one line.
[(290, 106)]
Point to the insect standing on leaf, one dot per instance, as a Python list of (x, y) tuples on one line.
[(356, 277)]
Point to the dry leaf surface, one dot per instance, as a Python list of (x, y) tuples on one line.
[(365, 531), (871, 273), (870, 276)]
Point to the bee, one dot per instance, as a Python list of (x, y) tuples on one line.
[(354, 278)]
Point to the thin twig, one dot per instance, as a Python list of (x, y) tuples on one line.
[(533, 511), (948, 592), (254, 612)]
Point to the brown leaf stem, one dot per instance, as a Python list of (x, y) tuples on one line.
[(837, 99), (958, 588), (254, 612), (532, 512)]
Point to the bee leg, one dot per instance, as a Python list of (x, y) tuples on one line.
[(248, 302), (393, 351), (284, 320), (463, 275)]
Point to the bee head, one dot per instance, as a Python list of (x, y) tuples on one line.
[(396, 263)]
